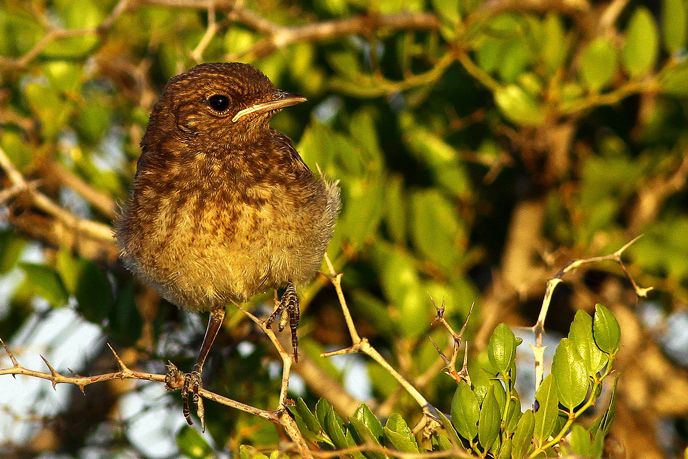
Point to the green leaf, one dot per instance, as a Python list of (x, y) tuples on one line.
[(322, 410), (11, 248), (598, 64), (580, 440), (435, 229), (400, 435), (308, 417), (674, 27), (505, 449), (674, 81), (363, 211), (640, 48), (499, 394), (63, 76), (401, 285), (238, 40), (546, 416), (554, 46), (367, 429), (523, 435), (396, 209), (17, 149), (345, 63), (489, 421), (604, 422), (334, 427), (570, 375), (515, 59), (519, 106), (451, 431), (465, 411), (192, 444), (447, 9), (580, 335), (46, 283), (606, 330), (47, 105), (440, 157), (513, 415), (368, 419), (502, 348)]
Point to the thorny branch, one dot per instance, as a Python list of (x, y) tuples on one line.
[(539, 327), (362, 345), (279, 416), (456, 338)]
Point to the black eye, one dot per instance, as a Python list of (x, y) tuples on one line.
[(218, 102)]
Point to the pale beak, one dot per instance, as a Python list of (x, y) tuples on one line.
[(282, 100)]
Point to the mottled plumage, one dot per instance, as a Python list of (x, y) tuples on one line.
[(222, 206), (221, 210)]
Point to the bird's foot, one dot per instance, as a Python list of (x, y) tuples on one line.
[(188, 383), (289, 303)]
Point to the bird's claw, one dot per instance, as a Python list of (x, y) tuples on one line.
[(188, 383), (289, 303)]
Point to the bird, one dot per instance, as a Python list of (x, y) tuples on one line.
[(222, 207)]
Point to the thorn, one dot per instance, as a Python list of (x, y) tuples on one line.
[(122, 367), (439, 351), (82, 388), (13, 359), (627, 245), (347, 350), (465, 323), (439, 310), (53, 372)]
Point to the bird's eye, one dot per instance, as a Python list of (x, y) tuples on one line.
[(218, 102)]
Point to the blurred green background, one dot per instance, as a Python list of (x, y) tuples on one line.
[(480, 146)]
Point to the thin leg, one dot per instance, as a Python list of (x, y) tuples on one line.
[(217, 316), (289, 303), (192, 380)]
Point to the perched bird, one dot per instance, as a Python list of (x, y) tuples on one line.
[(222, 206)]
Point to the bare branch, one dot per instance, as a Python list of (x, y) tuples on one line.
[(362, 345), (539, 327)]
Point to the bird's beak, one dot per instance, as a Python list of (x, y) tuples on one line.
[(280, 101)]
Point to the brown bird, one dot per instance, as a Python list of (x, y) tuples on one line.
[(222, 206)]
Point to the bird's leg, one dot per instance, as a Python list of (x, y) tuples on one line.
[(192, 381), (289, 303)]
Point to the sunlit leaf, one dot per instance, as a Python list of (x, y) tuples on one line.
[(641, 46)]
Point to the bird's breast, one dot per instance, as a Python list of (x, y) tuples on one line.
[(207, 235)]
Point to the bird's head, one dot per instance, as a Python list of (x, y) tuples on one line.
[(226, 103)]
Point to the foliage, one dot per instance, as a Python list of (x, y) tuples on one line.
[(479, 146), (486, 417)]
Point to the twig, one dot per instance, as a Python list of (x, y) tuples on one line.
[(98, 199), (211, 30), (279, 416), (56, 34), (284, 355), (85, 227), (362, 345), (448, 364), (539, 327)]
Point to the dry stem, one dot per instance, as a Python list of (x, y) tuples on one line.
[(363, 346), (539, 327)]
